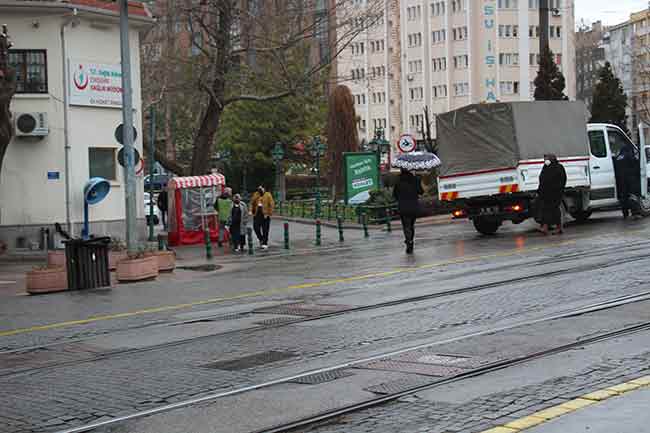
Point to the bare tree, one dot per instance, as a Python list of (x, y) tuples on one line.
[(7, 90), (425, 131), (254, 50)]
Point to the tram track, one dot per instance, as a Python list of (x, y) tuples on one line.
[(335, 413), (326, 315), (638, 246)]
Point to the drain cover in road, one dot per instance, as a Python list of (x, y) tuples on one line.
[(399, 385), (277, 321), (304, 309), (326, 376), (251, 361), (429, 356), (223, 318), (40, 357), (412, 367)]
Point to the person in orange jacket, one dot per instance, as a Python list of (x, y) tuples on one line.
[(262, 205)]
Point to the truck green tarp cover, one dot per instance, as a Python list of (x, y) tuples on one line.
[(495, 136)]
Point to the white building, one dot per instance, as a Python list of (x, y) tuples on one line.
[(68, 46), (445, 54)]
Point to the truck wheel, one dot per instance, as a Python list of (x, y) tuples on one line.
[(581, 216), (486, 226)]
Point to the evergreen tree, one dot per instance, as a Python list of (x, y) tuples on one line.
[(342, 134), (550, 83), (610, 101)]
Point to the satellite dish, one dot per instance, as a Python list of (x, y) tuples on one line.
[(95, 190)]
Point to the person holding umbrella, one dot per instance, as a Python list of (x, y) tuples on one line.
[(407, 192)]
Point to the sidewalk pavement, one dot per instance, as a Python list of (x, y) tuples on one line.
[(395, 223), (627, 413), (302, 240)]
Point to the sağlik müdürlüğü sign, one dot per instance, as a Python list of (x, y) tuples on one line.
[(95, 84)]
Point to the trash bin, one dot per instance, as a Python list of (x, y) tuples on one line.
[(87, 263)]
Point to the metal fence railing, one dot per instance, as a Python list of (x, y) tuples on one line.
[(331, 211)]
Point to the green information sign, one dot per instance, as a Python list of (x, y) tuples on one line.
[(361, 176)]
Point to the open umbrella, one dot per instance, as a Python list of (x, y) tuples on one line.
[(416, 161)]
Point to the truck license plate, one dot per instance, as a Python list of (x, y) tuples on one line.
[(489, 210)]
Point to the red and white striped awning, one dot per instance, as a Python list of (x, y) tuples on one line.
[(197, 181)]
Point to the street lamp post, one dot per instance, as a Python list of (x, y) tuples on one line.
[(277, 154), (379, 144), (317, 149)]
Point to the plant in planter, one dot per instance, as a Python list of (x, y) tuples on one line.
[(166, 259), (137, 267), (47, 280), (116, 253), (55, 258)]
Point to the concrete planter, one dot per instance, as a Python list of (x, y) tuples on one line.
[(48, 280), (139, 269), (55, 258), (114, 257), (166, 260)]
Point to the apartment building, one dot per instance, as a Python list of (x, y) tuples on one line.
[(590, 57), (445, 54)]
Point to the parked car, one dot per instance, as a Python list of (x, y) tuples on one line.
[(159, 180), (157, 217)]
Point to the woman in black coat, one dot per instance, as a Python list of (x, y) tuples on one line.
[(552, 182), (407, 192)]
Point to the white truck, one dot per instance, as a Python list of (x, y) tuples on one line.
[(492, 156)]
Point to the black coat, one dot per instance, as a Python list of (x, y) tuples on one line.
[(163, 202), (552, 182), (627, 171), (407, 192)]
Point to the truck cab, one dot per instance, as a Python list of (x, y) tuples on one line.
[(605, 143)]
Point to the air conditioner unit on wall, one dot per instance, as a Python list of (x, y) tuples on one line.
[(556, 12), (31, 125)]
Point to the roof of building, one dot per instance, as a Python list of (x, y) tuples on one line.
[(137, 9)]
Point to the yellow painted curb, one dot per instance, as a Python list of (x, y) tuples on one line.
[(624, 387), (643, 381), (525, 422), (552, 412), (601, 395), (500, 430), (570, 406), (578, 403)]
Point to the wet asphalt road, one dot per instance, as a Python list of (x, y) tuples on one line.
[(76, 358)]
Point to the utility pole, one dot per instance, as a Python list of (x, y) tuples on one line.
[(127, 121), (543, 26)]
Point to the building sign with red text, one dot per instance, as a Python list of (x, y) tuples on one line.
[(95, 84)]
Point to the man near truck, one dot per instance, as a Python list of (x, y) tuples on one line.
[(626, 168), (552, 182)]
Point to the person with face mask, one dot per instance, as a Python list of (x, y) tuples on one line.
[(552, 182), (238, 223), (262, 205), (223, 206)]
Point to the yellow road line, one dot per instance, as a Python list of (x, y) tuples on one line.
[(570, 406), (267, 292)]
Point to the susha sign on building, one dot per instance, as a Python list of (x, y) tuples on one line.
[(95, 84), (489, 50)]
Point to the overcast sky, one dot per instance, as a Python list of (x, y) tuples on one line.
[(608, 11)]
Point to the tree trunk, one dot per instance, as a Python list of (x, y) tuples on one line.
[(7, 89), (203, 143)]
